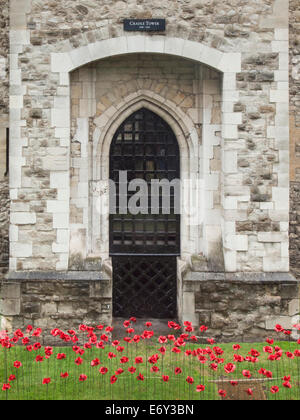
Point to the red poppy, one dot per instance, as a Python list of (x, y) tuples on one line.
[(289, 355), (236, 347), (214, 366), (200, 388), (111, 355), (95, 362), (138, 360), (109, 329), (162, 339), (222, 393), (132, 319), (61, 356), (6, 387), (269, 374), (153, 359), (78, 361), (154, 369), (12, 378), (37, 346), (124, 359), (203, 328), (148, 324), (246, 373), (249, 391), (274, 389), (229, 368), (131, 369), (178, 371), (119, 371), (126, 324), (64, 375), (287, 384), (103, 370), (17, 364), (140, 377), (234, 383), (165, 378), (46, 381), (190, 380), (82, 378)]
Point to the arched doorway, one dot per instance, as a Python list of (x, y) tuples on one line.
[(145, 235)]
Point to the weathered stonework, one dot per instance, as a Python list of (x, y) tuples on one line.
[(219, 76)]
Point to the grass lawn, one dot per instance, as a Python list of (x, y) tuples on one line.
[(29, 377)]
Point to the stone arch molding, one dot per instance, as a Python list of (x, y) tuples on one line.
[(66, 62), (63, 63), (106, 126)]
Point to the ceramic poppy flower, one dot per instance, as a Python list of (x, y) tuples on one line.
[(17, 364), (12, 378), (246, 373), (46, 381), (78, 361), (222, 393), (103, 370), (82, 378), (131, 369), (274, 389), (165, 378), (6, 387), (200, 388), (61, 356), (140, 377), (178, 371), (64, 375), (154, 369), (229, 368), (190, 380), (95, 362), (138, 360)]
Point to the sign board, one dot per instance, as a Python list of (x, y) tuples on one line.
[(145, 25)]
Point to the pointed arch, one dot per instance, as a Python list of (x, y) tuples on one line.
[(105, 127)]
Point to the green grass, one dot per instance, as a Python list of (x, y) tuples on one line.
[(28, 385)]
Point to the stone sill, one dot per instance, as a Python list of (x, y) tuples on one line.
[(242, 277), (57, 276)]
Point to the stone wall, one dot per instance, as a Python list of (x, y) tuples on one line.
[(4, 226), (241, 306), (48, 37), (295, 136), (4, 30), (50, 301)]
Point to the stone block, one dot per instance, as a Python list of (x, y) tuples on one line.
[(10, 307), (10, 291)]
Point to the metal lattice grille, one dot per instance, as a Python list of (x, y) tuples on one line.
[(146, 148), (145, 287)]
